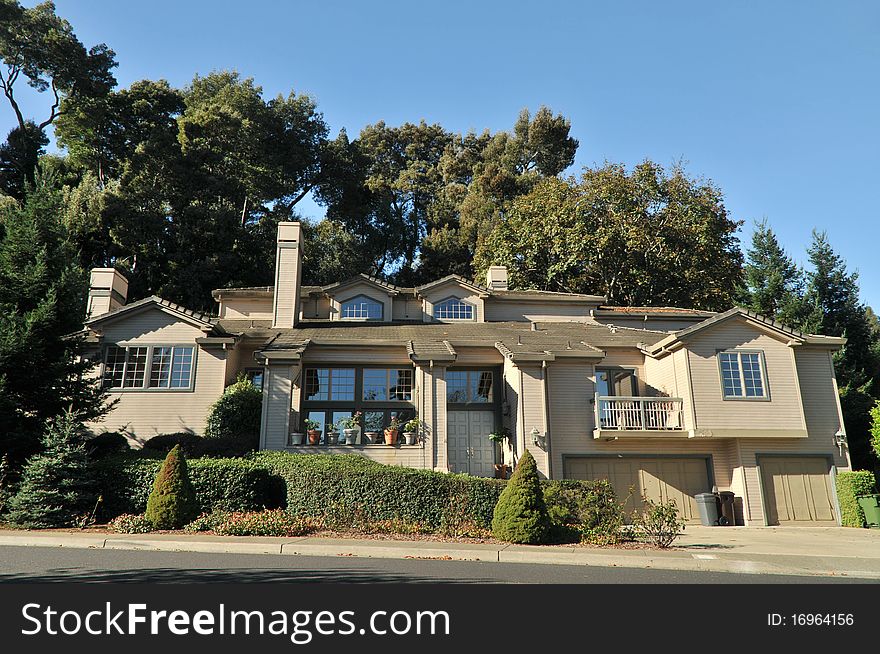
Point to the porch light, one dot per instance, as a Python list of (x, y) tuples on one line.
[(537, 439)]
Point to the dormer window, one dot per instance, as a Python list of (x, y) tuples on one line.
[(453, 309), (361, 307)]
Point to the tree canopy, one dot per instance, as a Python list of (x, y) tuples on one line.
[(643, 237)]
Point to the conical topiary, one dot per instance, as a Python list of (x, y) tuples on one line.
[(172, 504), (521, 515)]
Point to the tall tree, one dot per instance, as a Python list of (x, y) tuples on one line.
[(42, 299), (204, 176), (834, 308), (41, 46), (773, 283), (18, 158), (648, 236)]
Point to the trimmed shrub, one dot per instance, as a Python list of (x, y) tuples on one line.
[(659, 524), (57, 488), (173, 501), (349, 491), (273, 522), (585, 511), (236, 414), (520, 516), (220, 484), (106, 444), (131, 524), (164, 443), (849, 486)]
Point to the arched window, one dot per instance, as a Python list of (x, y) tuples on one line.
[(361, 307), (453, 309)]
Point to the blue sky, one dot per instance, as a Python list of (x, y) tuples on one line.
[(777, 102)]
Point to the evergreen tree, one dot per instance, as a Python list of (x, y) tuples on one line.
[(773, 283), (172, 503), (57, 488), (521, 515), (42, 299), (834, 308)]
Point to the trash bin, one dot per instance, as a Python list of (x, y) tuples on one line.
[(728, 513), (871, 506), (707, 505)]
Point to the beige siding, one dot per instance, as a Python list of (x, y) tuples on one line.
[(288, 272), (276, 406), (410, 456), (532, 413), (477, 356), (315, 308), (143, 414), (536, 311), (782, 411), (246, 308), (406, 307)]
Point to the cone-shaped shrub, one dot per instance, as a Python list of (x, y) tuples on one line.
[(172, 503), (521, 515), (56, 488)]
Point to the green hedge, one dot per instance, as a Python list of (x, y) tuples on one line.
[(233, 484), (849, 486), (333, 490)]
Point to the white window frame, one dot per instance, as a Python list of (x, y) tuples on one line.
[(762, 367), (148, 368), (361, 297), (437, 306)]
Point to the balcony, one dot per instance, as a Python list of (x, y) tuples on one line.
[(638, 417)]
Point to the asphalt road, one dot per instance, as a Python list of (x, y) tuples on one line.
[(56, 564)]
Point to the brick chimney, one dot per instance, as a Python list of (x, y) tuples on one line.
[(288, 274), (108, 290), (496, 278)]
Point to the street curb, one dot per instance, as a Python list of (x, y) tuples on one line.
[(682, 560)]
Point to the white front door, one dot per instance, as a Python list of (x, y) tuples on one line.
[(469, 449)]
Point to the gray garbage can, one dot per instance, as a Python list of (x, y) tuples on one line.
[(707, 505), (728, 513)]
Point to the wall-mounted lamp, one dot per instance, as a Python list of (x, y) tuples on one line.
[(840, 440), (538, 439)]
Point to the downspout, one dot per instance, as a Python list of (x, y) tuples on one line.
[(548, 442)]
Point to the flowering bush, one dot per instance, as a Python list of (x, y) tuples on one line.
[(129, 523), (273, 522)]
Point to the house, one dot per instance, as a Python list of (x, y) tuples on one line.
[(670, 401)]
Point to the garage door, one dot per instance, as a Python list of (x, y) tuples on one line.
[(797, 490), (658, 478)]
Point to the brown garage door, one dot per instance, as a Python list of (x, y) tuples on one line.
[(797, 490), (658, 478)]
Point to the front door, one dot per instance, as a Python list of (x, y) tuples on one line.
[(469, 449)]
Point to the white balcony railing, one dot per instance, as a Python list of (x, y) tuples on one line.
[(638, 413)]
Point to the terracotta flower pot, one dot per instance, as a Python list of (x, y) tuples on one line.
[(314, 436), (391, 436)]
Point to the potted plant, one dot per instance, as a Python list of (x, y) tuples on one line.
[(313, 431), (500, 435), (410, 431), (332, 434), (392, 431), (296, 438), (351, 427)]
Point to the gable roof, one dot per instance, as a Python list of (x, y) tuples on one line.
[(769, 325), (154, 301), (362, 278), (457, 279)]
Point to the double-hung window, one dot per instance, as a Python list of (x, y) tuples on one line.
[(149, 367), (742, 375)]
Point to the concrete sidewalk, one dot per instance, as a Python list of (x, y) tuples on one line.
[(820, 551)]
